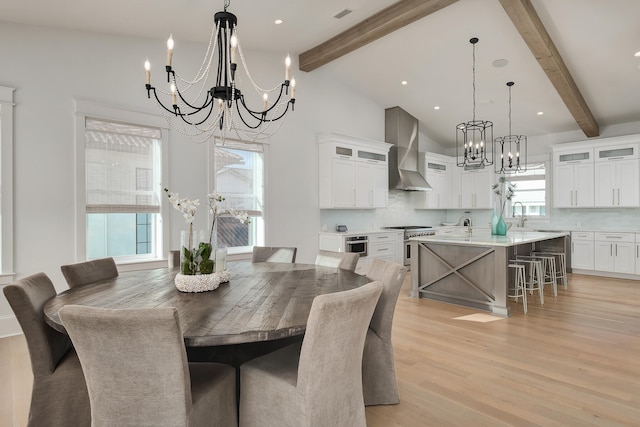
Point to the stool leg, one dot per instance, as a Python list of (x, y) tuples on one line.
[(563, 268), (520, 281), (538, 268)]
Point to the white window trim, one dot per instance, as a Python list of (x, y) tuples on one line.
[(6, 157), (542, 158), (84, 109)]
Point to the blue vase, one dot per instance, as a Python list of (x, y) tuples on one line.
[(494, 221), (501, 227)]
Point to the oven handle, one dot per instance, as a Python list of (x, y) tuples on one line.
[(356, 242)]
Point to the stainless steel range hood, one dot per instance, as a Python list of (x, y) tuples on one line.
[(401, 130)]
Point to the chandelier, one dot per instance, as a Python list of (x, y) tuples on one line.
[(206, 111), (472, 137), (511, 146)]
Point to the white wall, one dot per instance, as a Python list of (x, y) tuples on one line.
[(52, 68)]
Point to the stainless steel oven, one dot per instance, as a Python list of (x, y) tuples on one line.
[(357, 244)]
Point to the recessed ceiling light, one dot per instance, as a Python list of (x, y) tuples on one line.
[(540, 113), (437, 107), (637, 53), (404, 83), (279, 21), (499, 63)]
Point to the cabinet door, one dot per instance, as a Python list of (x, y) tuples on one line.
[(638, 254), (583, 182), (483, 189), (604, 256), (563, 186), (343, 183), (582, 255), (605, 184), (625, 258), (364, 197), (380, 185), (627, 177)]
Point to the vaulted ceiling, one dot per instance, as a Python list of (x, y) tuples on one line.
[(571, 59)]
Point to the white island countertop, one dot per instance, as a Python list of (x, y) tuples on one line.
[(482, 238)]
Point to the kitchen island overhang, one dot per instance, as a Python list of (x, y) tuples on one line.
[(472, 270)]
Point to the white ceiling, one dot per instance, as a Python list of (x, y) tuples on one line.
[(596, 38)]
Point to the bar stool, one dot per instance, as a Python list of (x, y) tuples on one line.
[(561, 266), (518, 289), (534, 278), (549, 271)]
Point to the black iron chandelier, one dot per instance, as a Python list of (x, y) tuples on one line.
[(512, 148), (221, 109), (472, 138)]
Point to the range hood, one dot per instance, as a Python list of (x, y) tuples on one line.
[(401, 130)]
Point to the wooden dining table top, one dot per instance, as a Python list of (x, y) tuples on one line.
[(261, 302)]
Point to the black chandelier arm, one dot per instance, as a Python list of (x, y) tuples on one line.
[(149, 90), (184, 116), (205, 104), (260, 116)]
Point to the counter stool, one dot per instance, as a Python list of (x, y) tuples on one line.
[(518, 289), (549, 275), (561, 266), (534, 277)]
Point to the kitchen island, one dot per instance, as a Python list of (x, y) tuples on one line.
[(472, 270)]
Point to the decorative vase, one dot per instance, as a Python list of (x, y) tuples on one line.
[(501, 227), (494, 221)]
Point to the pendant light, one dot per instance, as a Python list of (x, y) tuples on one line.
[(511, 148), (473, 137)]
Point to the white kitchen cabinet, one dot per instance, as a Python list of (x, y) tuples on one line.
[(382, 245), (388, 245), (353, 172), (475, 188), (615, 252), (573, 179), (582, 250), (638, 253), (438, 171), (617, 176)]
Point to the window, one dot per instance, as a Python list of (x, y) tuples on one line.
[(121, 168), (6, 184), (239, 177), (530, 191)]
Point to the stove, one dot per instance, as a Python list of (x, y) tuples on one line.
[(409, 232)]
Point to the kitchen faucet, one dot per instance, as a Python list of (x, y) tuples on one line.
[(523, 217)]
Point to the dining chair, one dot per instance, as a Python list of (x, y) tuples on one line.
[(273, 254), (378, 369), (59, 394), (137, 372), (85, 273), (173, 259), (317, 382), (344, 260)]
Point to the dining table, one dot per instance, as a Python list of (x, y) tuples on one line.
[(261, 302)]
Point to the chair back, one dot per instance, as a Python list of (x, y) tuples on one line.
[(344, 260), (173, 259), (391, 275), (273, 254), (134, 362), (85, 273), (330, 368), (27, 298)]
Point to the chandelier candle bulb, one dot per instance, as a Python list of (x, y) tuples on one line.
[(147, 71), (234, 48), (174, 99), (265, 99), (287, 68), (293, 88), (169, 50)]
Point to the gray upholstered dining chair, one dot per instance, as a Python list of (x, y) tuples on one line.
[(344, 260), (85, 273), (317, 382), (135, 364), (273, 254), (378, 370), (59, 395)]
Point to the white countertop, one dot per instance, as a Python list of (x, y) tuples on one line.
[(512, 238)]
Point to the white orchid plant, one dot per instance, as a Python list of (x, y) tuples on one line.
[(197, 260), (504, 190)]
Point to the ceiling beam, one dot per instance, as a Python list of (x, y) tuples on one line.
[(376, 26), (530, 27)]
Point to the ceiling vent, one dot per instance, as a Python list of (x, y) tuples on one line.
[(342, 13)]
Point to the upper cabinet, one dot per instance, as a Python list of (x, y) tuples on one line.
[(353, 172), (438, 171), (475, 188), (617, 176), (573, 178)]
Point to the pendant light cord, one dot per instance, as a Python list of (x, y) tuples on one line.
[(474, 81)]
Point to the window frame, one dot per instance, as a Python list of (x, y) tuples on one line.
[(241, 252), (547, 192), (7, 107), (84, 110)]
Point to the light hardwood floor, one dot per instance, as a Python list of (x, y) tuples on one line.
[(575, 361)]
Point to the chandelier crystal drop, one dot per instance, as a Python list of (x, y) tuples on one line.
[(221, 110), (473, 137), (512, 149)]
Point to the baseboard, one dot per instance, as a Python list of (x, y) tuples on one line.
[(606, 274), (9, 326)]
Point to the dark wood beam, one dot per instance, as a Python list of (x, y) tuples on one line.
[(376, 26), (528, 23)]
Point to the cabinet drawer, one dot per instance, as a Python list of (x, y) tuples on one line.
[(615, 237), (379, 250), (382, 238), (582, 235)]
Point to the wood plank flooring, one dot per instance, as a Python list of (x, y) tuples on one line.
[(572, 362)]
